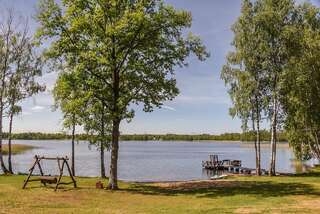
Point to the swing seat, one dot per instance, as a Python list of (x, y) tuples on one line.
[(48, 180)]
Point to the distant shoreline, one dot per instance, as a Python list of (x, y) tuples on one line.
[(241, 137)]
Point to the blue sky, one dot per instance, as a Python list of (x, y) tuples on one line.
[(202, 106)]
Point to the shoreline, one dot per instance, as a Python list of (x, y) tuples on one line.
[(194, 141)]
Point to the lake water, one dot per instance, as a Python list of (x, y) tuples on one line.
[(154, 160)]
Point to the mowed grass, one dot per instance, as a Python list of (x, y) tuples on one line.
[(16, 148), (294, 194)]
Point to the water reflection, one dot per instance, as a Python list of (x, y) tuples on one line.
[(300, 166), (211, 173)]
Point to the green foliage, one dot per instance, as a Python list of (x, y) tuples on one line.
[(301, 92), (274, 70), (25, 67), (247, 136), (69, 98), (124, 52), (140, 42)]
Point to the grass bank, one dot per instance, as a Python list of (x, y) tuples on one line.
[(16, 148), (294, 194)]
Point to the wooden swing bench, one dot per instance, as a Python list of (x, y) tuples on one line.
[(48, 179)]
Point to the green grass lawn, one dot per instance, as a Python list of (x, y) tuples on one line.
[(16, 148), (294, 194)]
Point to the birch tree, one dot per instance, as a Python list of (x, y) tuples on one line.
[(275, 21), (26, 66), (19, 66), (245, 77), (69, 98), (300, 93)]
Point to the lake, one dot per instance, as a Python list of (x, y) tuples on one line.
[(154, 160)]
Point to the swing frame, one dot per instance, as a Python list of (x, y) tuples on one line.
[(61, 161)]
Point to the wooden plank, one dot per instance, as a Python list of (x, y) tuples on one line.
[(48, 178), (41, 172), (30, 173), (57, 158), (71, 175), (61, 173)]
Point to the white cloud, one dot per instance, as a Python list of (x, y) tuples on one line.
[(26, 113), (37, 108), (215, 99), (169, 108)]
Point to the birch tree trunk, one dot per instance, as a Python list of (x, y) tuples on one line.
[(255, 140), (258, 155), (272, 170), (3, 167), (73, 148), (9, 143), (259, 147)]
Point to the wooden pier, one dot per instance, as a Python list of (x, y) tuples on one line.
[(232, 166)]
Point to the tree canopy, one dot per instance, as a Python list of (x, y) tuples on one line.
[(125, 52)]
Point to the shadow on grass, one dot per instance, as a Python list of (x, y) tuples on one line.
[(259, 189)]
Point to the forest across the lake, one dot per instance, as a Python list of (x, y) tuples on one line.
[(246, 136)]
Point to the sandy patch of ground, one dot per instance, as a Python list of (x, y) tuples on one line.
[(246, 210), (312, 204), (203, 184)]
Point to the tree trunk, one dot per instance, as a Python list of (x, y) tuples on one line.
[(259, 147), (258, 156), (113, 179), (3, 167), (103, 168), (9, 143), (73, 147), (255, 140), (272, 170)]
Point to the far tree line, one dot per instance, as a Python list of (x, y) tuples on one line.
[(243, 137)]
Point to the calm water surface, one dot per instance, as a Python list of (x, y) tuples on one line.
[(153, 160)]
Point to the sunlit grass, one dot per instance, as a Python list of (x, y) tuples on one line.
[(290, 194)]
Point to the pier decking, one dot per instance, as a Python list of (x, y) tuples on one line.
[(232, 166)]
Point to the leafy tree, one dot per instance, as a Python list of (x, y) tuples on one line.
[(245, 76), (19, 65), (70, 99), (127, 50), (265, 42), (300, 91), (6, 35), (98, 128), (275, 23), (25, 67)]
